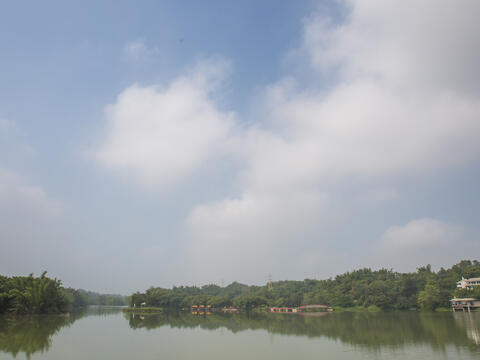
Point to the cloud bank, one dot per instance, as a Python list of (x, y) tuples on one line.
[(402, 99), (420, 234)]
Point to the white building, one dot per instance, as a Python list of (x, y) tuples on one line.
[(468, 283)]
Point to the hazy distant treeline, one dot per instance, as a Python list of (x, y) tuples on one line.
[(383, 288), (43, 295), (79, 298)]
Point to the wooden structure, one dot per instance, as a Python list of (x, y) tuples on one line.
[(465, 304)]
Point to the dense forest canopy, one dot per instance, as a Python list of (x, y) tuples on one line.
[(31, 295), (43, 295), (385, 289)]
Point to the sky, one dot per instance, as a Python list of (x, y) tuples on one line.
[(147, 143)]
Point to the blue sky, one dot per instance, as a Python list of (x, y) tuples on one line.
[(160, 143)]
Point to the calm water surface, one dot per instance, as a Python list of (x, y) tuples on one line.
[(107, 333)]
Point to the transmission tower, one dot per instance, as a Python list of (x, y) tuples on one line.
[(270, 283)]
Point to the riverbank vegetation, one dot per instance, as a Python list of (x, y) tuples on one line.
[(31, 295), (361, 289), (43, 295)]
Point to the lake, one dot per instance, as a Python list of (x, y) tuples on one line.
[(108, 333)]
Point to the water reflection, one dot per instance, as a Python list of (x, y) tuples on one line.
[(470, 323), (373, 332), (29, 334), (370, 330), (33, 333)]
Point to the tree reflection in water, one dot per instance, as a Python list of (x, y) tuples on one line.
[(368, 330), (471, 323), (33, 333), (30, 333)]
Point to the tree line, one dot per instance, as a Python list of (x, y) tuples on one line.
[(79, 298), (43, 295), (383, 289)]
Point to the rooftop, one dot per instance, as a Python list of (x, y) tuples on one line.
[(471, 279)]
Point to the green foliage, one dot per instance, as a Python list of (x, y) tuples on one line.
[(31, 295), (249, 301), (365, 288), (75, 298), (43, 295), (467, 293), (373, 308), (429, 298)]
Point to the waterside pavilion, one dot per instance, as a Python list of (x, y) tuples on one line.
[(465, 304)]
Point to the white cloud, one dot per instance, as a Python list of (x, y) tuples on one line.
[(421, 233), (385, 115), (160, 135), (253, 234), (406, 96), (420, 242), (404, 101), (368, 129), (430, 45), (401, 105)]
